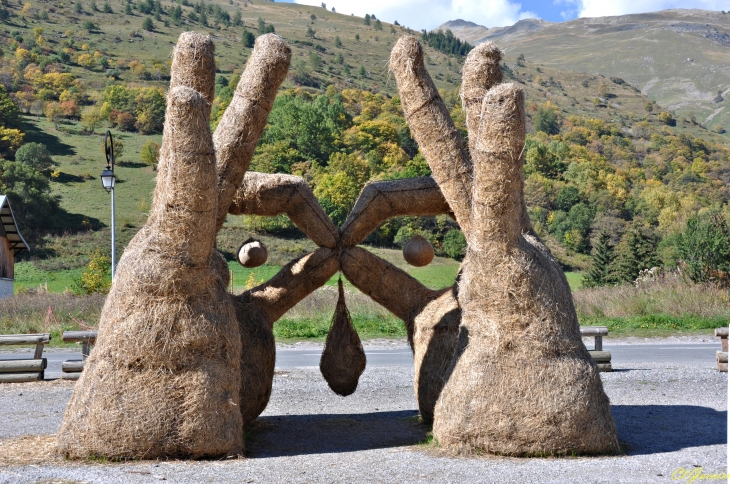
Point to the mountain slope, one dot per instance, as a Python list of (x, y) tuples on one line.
[(679, 58), (139, 58)]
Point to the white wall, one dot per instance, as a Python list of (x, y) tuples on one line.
[(6, 287)]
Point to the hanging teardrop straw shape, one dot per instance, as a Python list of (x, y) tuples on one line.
[(343, 359)]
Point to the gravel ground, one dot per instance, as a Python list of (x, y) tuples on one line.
[(668, 416)]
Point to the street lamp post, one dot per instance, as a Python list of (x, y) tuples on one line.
[(108, 180)]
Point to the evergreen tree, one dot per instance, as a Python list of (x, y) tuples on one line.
[(447, 42), (704, 247), (367, 19), (176, 15), (546, 120), (148, 25), (601, 260), (637, 251), (248, 39)]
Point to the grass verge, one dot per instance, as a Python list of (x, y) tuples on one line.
[(658, 308), (657, 324)]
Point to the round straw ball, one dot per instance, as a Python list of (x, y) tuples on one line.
[(252, 254), (418, 251)]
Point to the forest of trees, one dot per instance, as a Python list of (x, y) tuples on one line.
[(628, 197), (587, 182), (446, 42)]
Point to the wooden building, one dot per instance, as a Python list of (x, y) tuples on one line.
[(11, 242)]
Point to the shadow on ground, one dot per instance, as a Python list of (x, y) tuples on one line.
[(290, 435), (54, 144), (653, 429)]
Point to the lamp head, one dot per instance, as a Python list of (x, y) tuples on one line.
[(108, 179)]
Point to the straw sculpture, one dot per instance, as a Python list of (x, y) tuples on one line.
[(418, 251), (180, 365), (152, 386), (343, 358), (500, 365)]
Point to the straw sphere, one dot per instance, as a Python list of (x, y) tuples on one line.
[(252, 254), (418, 251)]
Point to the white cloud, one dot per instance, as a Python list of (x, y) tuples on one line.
[(604, 8), (420, 14)]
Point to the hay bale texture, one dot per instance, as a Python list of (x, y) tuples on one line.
[(343, 357), (273, 194), (180, 365), (418, 251), (259, 308), (164, 378), (435, 333), (520, 381), (241, 125)]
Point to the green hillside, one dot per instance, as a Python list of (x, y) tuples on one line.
[(679, 58), (121, 39), (601, 156)]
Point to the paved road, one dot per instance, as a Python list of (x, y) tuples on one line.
[(621, 355)]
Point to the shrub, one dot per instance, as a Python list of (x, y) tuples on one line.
[(705, 248), (126, 122), (455, 244), (249, 39), (96, 276), (150, 153), (666, 118), (546, 120), (148, 25), (35, 155)]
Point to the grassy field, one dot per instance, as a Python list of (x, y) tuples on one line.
[(659, 308), (80, 158), (440, 273), (656, 308)]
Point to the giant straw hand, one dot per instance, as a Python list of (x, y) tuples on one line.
[(500, 365), (180, 365)]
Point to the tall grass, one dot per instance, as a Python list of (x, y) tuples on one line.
[(664, 305), (312, 317), (26, 313), (655, 307)]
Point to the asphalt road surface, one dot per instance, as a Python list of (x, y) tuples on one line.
[(703, 354)]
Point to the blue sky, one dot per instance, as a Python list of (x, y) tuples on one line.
[(429, 14)]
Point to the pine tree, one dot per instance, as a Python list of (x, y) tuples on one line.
[(602, 259), (147, 24), (636, 252)]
